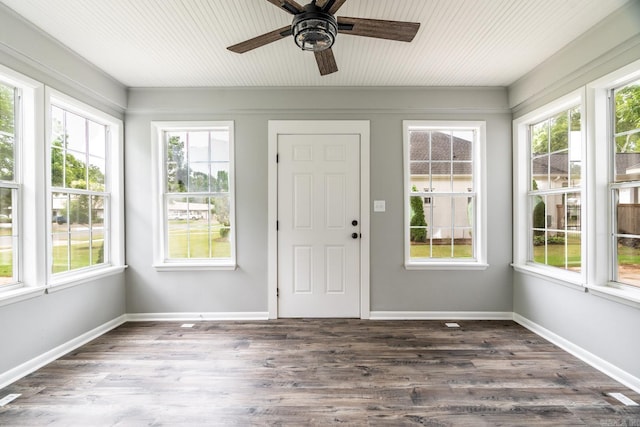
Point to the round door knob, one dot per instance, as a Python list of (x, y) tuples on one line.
[(354, 235), (354, 222)]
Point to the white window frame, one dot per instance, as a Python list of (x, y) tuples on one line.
[(479, 176), (159, 220), (599, 128), (522, 226), (114, 183), (31, 212)]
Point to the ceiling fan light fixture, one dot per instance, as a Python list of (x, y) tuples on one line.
[(314, 31)]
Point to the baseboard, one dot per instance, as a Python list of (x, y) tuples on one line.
[(195, 316), (441, 315), (38, 362), (596, 362)]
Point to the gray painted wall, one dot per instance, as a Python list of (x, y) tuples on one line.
[(34, 326), (37, 325), (392, 287), (605, 328)]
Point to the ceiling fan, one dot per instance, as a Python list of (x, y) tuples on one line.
[(315, 28)]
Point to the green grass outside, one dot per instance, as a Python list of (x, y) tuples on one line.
[(423, 250), (194, 241), (79, 254)]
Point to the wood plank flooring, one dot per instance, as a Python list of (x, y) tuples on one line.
[(318, 372)]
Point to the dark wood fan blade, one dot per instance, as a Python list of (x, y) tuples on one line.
[(326, 62), (330, 6), (378, 28), (262, 40), (288, 5)]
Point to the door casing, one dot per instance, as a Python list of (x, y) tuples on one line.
[(302, 127)]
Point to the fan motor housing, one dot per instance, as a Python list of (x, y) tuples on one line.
[(314, 30)]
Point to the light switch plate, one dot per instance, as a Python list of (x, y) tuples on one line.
[(379, 205)]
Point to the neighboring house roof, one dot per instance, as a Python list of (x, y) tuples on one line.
[(443, 146), (625, 162)]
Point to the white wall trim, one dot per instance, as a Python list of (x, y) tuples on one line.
[(441, 315), (241, 315), (47, 357), (591, 359)]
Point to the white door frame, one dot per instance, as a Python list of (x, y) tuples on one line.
[(300, 127)]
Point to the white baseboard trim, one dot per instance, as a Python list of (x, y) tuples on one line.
[(195, 316), (38, 362), (591, 359), (441, 315)]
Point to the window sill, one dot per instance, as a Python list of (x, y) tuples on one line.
[(617, 294), (570, 280), (166, 266), (20, 294), (445, 266), (84, 277)]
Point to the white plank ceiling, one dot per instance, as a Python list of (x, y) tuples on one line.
[(182, 43)]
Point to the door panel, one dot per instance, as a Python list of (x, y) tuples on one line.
[(318, 198)]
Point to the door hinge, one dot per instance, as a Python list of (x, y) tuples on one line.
[(277, 225), (277, 158), (277, 292)]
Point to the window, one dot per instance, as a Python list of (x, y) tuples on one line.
[(196, 202), (444, 209), (549, 208), (85, 194), (9, 185), (555, 195), (625, 183)]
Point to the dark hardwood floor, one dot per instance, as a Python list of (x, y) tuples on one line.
[(318, 372)]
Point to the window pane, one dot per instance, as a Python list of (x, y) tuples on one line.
[(7, 132), (97, 230), (540, 172), (559, 132), (75, 170), (220, 146), (627, 133), (80, 247), (7, 109), (8, 237), (76, 132), (628, 211), (177, 171), (441, 146), (627, 161), (419, 145), (7, 156), (220, 178), (628, 265), (97, 139), (558, 169), (198, 177), (96, 173), (61, 247), (57, 167), (540, 138)]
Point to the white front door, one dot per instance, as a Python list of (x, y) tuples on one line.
[(319, 225)]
